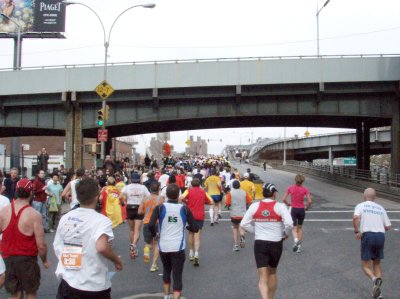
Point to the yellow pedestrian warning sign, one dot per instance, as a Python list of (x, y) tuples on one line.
[(104, 90)]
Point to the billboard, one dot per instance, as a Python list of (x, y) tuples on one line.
[(32, 16)]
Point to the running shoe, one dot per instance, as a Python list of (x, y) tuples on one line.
[(219, 216), (146, 254), (242, 241), (196, 262), (376, 292), (153, 268), (235, 248), (133, 251), (191, 258), (212, 223), (298, 248)]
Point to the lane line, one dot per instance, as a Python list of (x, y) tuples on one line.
[(313, 220)]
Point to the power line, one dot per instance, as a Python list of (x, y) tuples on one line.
[(214, 47)]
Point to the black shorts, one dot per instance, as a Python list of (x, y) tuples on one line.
[(199, 223), (298, 215), (65, 291), (267, 253), (132, 212), (236, 220), (147, 236), (22, 273)]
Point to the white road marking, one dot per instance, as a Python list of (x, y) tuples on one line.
[(145, 295), (324, 230)]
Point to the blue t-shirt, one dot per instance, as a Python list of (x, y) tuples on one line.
[(55, 189)]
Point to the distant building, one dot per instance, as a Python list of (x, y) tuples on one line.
[(197, 147)]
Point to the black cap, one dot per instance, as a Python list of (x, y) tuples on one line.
[(135, 177), (236, 184)]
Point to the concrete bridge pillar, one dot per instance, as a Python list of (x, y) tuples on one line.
[(73, 131), (359, 146), (363, 145), (395, 150), (366, 146)]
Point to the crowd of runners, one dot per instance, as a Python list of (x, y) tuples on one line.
[(159, 205)]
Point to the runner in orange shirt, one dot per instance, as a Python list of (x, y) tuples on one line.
[(146, 208)]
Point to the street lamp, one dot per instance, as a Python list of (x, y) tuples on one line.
[(317, 15), (17, 54), (106, 46)]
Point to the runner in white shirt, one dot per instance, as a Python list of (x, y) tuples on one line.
[(134, 194), (70, 189), (4, 201), (370, 223), (82, 246), (272, 223), (163, 179)]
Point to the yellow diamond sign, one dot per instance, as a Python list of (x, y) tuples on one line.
[(188, 142), (104, 90)]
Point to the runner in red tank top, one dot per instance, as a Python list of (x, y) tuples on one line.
[(23, 240), (195, 199)]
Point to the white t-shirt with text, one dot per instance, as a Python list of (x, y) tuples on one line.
[(135, 193), (79, 229), (373, 217)]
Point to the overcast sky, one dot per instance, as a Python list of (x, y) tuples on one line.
[(187, 29)]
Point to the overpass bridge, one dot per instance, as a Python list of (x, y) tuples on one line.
[(359, 92), (343, 144)]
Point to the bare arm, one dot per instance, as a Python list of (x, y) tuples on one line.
[(284, 199), (39, 237), (104, 248), (309, 201), (356, 225), (67, 191)]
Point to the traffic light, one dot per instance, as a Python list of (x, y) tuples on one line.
[(107, 112), (100, 117)]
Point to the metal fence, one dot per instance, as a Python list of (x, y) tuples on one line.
[(373, 176)]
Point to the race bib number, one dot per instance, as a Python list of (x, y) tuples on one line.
[(71, 256)]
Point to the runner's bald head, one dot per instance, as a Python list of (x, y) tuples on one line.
[(369, 194)]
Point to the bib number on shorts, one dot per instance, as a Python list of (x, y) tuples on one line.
[(71, 256)]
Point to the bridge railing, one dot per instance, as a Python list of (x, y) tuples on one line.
[(376, 177), (200, 60)]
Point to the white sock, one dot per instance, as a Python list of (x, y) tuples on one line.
[(219, 211), (196, 254), (191, 252), (296, 240), (211, 212), (373, 279)]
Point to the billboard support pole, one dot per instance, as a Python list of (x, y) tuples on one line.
[(17, 43)]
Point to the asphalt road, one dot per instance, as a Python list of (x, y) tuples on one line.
[(328, 267)]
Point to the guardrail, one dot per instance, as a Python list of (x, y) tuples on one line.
[(375, 177), (194, 60)]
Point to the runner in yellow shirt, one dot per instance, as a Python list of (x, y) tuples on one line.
[(248, 186), (213, 187)]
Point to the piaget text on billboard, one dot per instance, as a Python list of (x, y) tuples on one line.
[(32, 16)]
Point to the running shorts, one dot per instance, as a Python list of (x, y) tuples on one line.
[(267, 253), (236, 220), (298, 215), (199, 223), (372, 245), (65, 291), (147, 236), (216, 198), (132, 212), (22, 273)]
